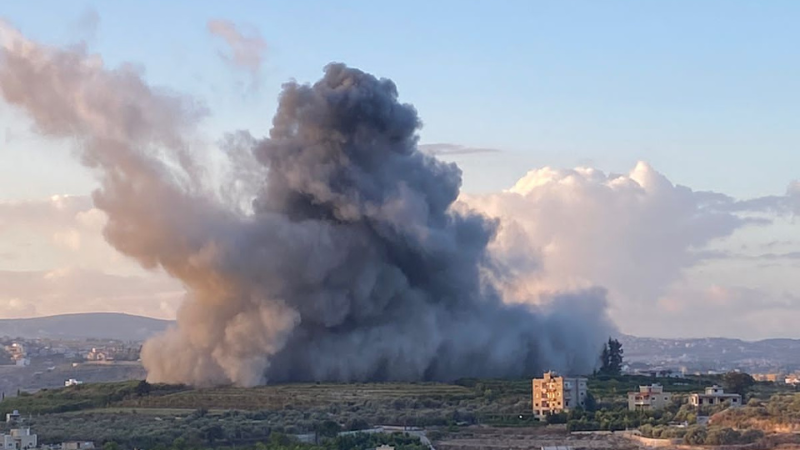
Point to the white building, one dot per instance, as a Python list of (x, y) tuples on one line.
[(12, 417), (72, 382), (715, 395), (19, 439)]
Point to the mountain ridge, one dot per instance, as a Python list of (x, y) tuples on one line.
[(96, 325)]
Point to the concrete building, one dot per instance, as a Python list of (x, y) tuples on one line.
[(770, 377), (715, 395), (18, 439), (553, 394), (72, 382), (648, 398), (13, 417), (77, 445)]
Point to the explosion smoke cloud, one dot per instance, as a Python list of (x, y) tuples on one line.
[(352, 264)]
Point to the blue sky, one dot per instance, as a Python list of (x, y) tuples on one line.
[(706, 93)]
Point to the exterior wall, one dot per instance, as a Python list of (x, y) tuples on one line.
[(648, 398), (553, 394), (77, 445), (19, 439), (715, 395)]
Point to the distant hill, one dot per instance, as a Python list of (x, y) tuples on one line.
[(118, 326), (717, 354)]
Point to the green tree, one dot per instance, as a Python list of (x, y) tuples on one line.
[(328, 428), (110, 445), (213, 433), (737, 382), (611, 358), (695, 436), (142, 389)]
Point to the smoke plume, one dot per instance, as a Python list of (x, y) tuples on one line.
[(351, 263)]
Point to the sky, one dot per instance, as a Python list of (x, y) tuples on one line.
[(649, 148)]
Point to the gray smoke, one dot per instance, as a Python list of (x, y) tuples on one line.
[(351, 262)]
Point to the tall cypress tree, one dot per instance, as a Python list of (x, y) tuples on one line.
[(611, 358)]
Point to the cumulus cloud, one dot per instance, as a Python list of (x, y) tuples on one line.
[(633, 234), (246, 50)]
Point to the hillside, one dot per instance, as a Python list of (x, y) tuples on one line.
[(719, 354), (118, 326)]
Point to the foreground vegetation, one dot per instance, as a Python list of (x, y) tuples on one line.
[(138, 414)]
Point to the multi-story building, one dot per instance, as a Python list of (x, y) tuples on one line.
[(648, 398), (18, 439), (553, 394), (715, 395)]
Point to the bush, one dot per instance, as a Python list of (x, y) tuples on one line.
[(695, 436), (557, 418)]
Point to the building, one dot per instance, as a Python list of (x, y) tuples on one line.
[(18, 439), (715, 395), (72, 382), (77, 445), (553, 394), (13, 417), (648, 398), (794, 380), (770, 377)]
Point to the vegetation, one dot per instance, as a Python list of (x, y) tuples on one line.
[(143, 415), (611, 358), (737, 382), (83, 397)]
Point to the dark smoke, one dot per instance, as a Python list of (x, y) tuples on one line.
[(351, 264)]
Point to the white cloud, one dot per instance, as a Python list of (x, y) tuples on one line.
[(635, 234)]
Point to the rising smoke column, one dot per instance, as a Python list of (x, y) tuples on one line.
[(352, 263)]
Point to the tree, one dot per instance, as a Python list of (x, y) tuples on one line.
[(590, 404), (611, 358), (737, 382), (213, 432), (143, 388), (328, 428)]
